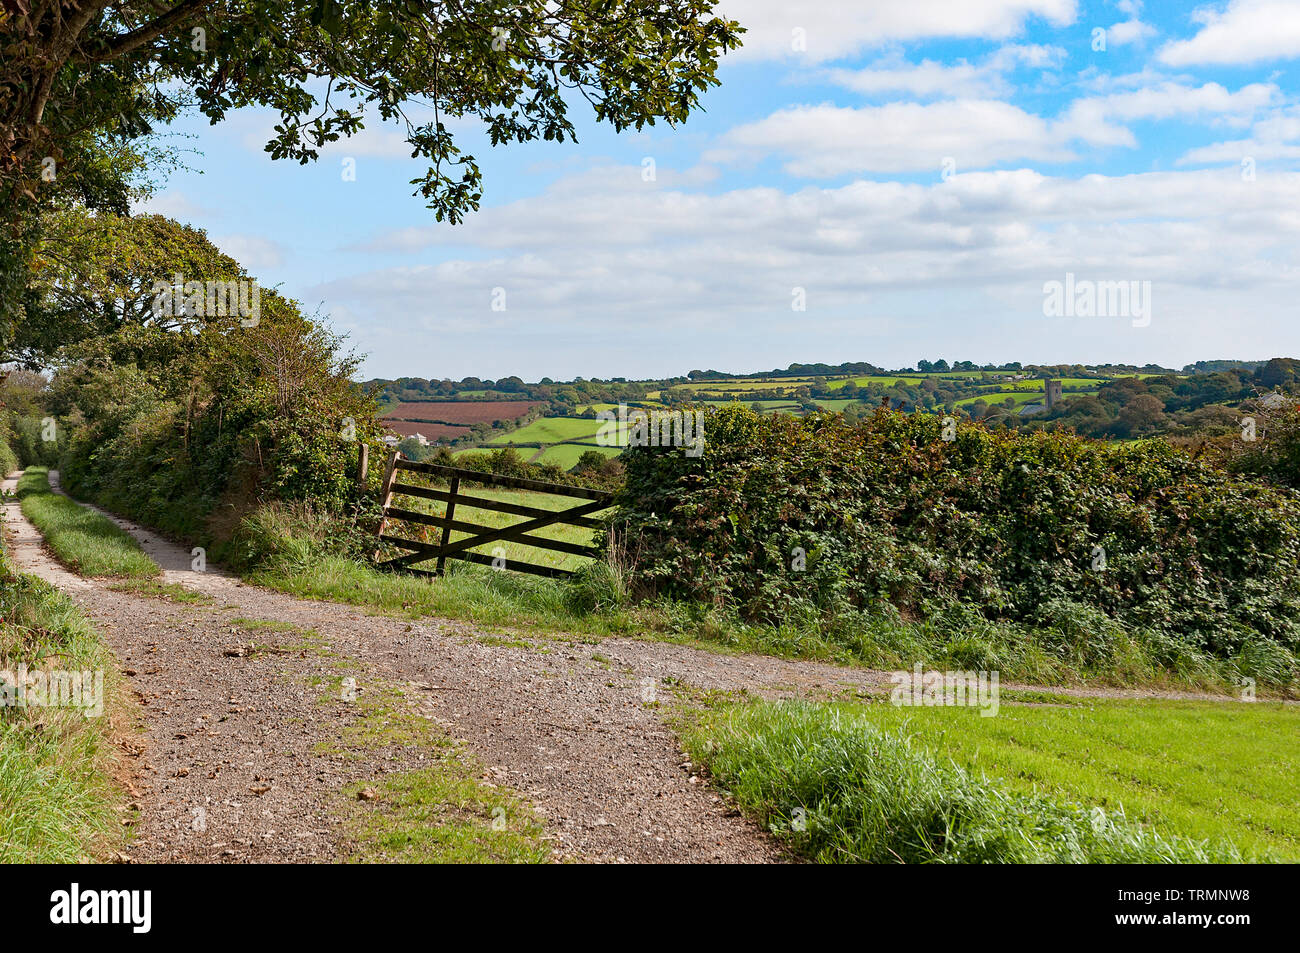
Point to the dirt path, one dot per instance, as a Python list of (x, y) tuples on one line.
[(237, 765)]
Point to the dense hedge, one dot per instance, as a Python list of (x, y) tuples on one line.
[(889, 511), (8, 459), (188, 432)]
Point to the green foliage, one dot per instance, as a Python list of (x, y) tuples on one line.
[(1275, 456), (30, 445), (1010, 526), (597, 586), (841, 790), (96, 274), (292, 536), (187, 430), (8, 459), (87, 89), (597, 464)]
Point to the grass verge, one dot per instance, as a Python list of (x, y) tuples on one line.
[(87, 542), (56, 796), (853, 784), (1074, 651), (467, 592)]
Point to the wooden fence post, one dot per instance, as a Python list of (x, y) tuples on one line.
[(363, 465), (446, 530), (386, 492)]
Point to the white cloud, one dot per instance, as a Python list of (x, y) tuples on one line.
[(652, 277), (1274, 137), (1247, 31), (834, 30), (924, 79), (252, 251), (930, 78), (1129, 31), (1094, 119), (827, 140)]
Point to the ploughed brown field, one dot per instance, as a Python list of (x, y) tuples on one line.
[(461, 411), (409, 428)]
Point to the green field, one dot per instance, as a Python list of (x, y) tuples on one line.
[(1204, 769), (835, 403), (889, 380), (767, 405), (565, 455), (550, 430), (1088, 780), (1020, 397)]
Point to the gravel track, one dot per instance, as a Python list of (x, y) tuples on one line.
[(228, 766)]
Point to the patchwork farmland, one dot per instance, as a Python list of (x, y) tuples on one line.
[(461, 411), (555, 423)]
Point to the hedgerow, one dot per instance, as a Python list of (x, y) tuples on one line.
[(189, 432), (785, 514)]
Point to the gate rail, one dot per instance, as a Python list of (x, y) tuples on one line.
[(578, 515)]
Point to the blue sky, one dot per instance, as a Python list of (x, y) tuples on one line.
[(913, 172)]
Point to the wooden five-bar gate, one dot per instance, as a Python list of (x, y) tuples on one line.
[(577, 515)]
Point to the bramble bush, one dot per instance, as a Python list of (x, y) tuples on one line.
[(1013, 527)]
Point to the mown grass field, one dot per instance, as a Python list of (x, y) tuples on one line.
[(86, 542), (1019, 397), (565, 455), (889, 380), (551, 430), (1204, 769), (1135, 782), (767, 405)]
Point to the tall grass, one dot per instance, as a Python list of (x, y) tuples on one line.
[(56, 799), (1070, 644), (841, 790), (86, 542)]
